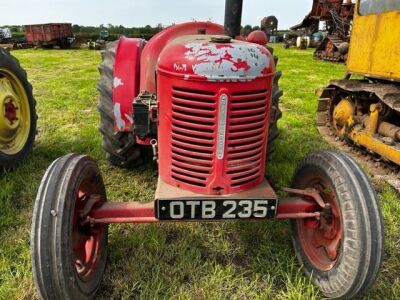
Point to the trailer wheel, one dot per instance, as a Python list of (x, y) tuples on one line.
[(64, 43), (68, 255), (121, 148), (17, 112), (342, 252)]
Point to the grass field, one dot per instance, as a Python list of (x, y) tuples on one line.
[(179, 261)]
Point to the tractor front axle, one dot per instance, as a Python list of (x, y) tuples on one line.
[(307, 204)]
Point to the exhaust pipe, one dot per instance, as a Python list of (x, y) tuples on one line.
[(233, 17)]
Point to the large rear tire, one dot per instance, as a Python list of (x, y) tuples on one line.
[(342, 251), (275, 112), (17, 112), (120, 147), (68, 256)]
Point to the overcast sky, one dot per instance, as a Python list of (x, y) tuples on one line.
[(143, 12)]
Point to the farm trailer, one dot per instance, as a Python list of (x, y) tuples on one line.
[(49, 35)]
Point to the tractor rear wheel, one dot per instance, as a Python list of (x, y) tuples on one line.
[(342, 251), (17, 112), (120, 147), (68, 254), (275, 112)]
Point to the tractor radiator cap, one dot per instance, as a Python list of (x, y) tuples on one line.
[(220, 39)]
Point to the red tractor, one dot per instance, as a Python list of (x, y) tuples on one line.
[(202, 100)]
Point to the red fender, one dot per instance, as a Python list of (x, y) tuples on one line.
[(157, 43), (134, 69), (126, 81)]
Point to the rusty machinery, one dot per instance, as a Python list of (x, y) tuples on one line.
[(17, 112), (366, 112), (101, 42), (270, 26), (200, 100), (337, 16), (50, 35)]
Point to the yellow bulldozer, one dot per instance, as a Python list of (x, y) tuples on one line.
[(363, 109)]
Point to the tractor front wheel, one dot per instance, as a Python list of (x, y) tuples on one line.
[(68, 254), (341, 251)]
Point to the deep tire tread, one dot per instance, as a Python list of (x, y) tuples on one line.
[(12, 64), (362, 243), (273, 131), (121, 148), (48, 239)]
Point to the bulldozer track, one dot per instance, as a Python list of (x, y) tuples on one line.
[(378, 167)]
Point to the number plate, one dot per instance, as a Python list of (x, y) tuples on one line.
[(215, 209)]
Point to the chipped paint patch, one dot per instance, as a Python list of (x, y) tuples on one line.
[(117, 82), (226, 61), (117, 117), (129, 118)]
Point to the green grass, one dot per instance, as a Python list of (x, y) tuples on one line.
[(182, 261)]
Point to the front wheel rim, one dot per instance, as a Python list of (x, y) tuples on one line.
[(321, 239), (86, 238), (15, 118)]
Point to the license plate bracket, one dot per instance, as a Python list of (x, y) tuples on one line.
[(214, 209)]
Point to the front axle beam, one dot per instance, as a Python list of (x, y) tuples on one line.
[(137, 212)]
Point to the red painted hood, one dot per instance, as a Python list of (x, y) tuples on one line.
[(197, 57)]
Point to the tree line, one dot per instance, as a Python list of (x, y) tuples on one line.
[(115, 31)]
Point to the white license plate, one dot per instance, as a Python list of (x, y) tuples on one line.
[(215, 209)]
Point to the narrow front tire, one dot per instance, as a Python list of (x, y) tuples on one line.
[(342, 252), (68, 255)]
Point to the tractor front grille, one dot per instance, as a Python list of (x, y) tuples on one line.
[(193, 135), (246, 136), (200, 150)]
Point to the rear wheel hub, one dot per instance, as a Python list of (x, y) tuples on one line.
[(9, 115), (14, 114)]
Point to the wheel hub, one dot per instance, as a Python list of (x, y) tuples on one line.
[(86, 238), (321, 238), (15, 119), (9, 112)]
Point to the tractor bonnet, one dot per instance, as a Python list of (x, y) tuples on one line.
[(215, 58)]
